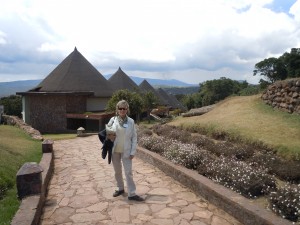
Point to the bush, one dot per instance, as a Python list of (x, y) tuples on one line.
[(285, 170), (12, 105), (155, 144), (240, 152), (144, 131), (286, 202), (180, 135), (202, 142), (162, 130), (240, 177), (187, 155)]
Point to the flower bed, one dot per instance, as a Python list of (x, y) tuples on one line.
[(249, 170)]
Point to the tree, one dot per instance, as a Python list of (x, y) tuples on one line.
[(12, 105), (150, 101), (272, 69), (292, 62), (133, 98), (213, 91), (188, 101)]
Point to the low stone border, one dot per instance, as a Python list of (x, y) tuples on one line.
[(236, 205), (31, 207)]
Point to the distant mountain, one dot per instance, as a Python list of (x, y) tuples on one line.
[(158, 82), (10, 88)]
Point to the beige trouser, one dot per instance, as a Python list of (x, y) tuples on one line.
[(127, 164)]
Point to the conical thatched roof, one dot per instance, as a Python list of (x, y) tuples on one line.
[(75, 74), (146, 87), (120, 80), (177, 103), (170, 100)]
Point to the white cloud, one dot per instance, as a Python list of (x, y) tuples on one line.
[(189, 40), (2, 38), (295, 11)]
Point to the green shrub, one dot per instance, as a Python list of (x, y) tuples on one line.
[(239, 176), (286, 202)]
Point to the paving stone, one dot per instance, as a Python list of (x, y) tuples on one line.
[(179, 202), (187, 195), (87, 217), (64, 202), (152, 180), (191, 208), (203, 214), (167, 213), (98, 207), (143, 189), (185, 216), (183, 222), (158, 199), (121, 215), (62, 214), (161, 191), (144, 218), (139, 209), (198, 222), (162, 221), (219, 221)]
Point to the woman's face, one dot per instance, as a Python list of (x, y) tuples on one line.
[(122, 111)]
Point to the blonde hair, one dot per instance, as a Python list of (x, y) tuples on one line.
[(122, 104)]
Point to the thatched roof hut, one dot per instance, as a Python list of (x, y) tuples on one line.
[(120, 80), (75, 74)]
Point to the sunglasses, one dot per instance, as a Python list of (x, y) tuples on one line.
[(122, 109)]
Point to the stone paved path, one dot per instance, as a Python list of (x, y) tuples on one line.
[(80, 193)]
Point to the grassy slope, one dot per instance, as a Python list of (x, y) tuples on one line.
[(249, 118), (16, 148)]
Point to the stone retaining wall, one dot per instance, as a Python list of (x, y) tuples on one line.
[(284, 95), (16, 121), (31, 207)]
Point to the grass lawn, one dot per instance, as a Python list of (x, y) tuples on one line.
[(249, 119), (16, 148)]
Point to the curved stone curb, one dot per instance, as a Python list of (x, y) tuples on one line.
[(236, 205), (31, 207)]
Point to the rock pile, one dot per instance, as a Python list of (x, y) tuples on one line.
[(16, 121), (284, 95)]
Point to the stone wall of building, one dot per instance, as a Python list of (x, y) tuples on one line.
[(284, 95), (76, 104), (48, 113)]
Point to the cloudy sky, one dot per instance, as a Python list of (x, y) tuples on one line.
[(188, 40)]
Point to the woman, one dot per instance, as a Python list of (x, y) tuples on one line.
[(124, 149)]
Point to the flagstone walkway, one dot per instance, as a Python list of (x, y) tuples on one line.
[(80, 193)]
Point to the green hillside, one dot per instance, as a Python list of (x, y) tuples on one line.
[(248, 119), (16, 148)]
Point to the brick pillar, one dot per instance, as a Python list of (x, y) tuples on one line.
[(47, 146), (29, 179)]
